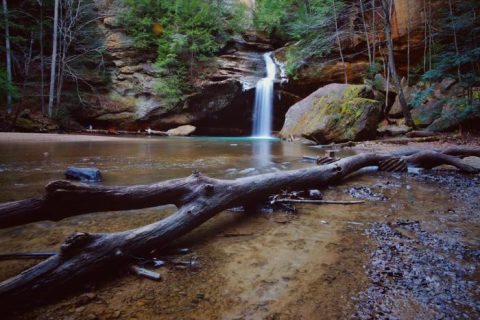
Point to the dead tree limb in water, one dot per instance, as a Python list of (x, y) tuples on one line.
[(197, 197), (64, 199)]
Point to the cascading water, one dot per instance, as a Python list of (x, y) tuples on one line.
[(262, 114)]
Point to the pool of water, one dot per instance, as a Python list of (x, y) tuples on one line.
[(25, 168)]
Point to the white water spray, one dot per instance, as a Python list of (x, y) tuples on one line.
[(263, 108)]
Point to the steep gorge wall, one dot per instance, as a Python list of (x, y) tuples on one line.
[(225, 92), (407, 14)]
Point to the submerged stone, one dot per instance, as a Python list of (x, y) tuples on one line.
[(83, 174)]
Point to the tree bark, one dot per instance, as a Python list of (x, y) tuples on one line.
[(387, 10), (339, 43), (42, 64), (8, 54), (51, 95), (367, 38), (198, 198), (455, 42)]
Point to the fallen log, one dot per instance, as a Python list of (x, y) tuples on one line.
[(197, 197), (64, 199)]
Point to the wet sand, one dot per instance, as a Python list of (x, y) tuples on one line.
[(19, 137)]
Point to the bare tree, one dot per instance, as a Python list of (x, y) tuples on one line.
[(374, 29), (387, 7), (42, 64), (338, 41), (8, 55), (367, 37), (408, 41), (455, 42), (51, 95)]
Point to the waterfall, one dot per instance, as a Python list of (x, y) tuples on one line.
[(263, 108)]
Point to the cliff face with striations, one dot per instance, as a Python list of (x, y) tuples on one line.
[(131, 101), (222, 103), (408, 30)]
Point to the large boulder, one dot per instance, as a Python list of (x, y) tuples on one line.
[(425, 114), (185, 130), (453, 116), (334, 113)]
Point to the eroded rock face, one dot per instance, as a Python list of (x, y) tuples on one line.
[(334, 113), (131, 100)]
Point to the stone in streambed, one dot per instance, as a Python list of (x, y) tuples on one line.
[(185, 130), (83, 174)]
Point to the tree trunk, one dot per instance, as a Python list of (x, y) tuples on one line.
[(198, 198), (338, 42), (51, 95), (42, 64), (8, 56), (387, 10), (374, 30), (366, 33), (455, 42), (408, 42)]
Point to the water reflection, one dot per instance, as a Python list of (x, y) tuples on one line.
[(25, 168), (262, 153)]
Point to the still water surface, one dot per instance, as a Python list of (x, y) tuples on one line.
[(26, 167)]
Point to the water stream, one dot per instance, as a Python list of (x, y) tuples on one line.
[(263, 108)]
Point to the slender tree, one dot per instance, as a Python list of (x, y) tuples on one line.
[(455, 42), (374, 30), (8, 55), (387, 6), (42, 64), (338, 42), (367, 38), (425, 42), (408, 41), (51, 95)]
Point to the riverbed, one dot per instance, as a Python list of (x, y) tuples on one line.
[(410, 251)]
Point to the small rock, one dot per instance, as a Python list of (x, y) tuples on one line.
[(315, 194), (86, 298), (79, 309), (248, 171)]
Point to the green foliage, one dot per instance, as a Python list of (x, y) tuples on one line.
[(309, 23), (271, 16), (421, 96), (191, 30), (6, 87), (456, 61), (173, 87)]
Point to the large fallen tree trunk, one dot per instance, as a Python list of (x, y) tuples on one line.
[(198, 198), (64, 199)]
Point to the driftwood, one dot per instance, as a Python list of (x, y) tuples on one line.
[(197, 197)]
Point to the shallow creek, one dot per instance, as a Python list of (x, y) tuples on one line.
[(314, 264)]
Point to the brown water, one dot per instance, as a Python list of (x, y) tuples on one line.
[(26, 167), (308, 265)]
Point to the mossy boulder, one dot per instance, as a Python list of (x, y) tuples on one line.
[(34, 122), (334, 113), (425, 114), (455, 115)]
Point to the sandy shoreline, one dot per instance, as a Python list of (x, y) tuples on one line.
[(12, 137)]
